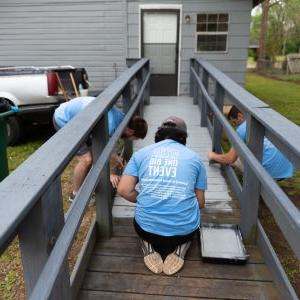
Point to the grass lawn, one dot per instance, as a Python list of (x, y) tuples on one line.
[(283, 97)]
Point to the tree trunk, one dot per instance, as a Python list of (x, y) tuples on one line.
[(261, 62)]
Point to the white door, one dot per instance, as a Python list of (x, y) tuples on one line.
[(160, 44)]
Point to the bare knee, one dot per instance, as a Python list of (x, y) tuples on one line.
[(85, 160)]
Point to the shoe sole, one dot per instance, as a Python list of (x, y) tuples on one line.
[(154, 262), (172, 264)]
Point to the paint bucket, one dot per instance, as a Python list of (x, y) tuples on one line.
[(84, 92)]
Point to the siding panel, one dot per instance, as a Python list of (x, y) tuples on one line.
[(81, 33)]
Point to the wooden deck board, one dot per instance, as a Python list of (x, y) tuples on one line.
[(179, 286), (116, 269)]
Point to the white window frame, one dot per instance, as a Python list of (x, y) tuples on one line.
[(211, 32)]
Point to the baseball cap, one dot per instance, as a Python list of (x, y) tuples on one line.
[(176, 122)]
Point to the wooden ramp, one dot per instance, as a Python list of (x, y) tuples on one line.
[(116, 269)]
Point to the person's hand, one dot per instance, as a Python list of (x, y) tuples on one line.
[(118, 160), (114, 179), (210, 155)]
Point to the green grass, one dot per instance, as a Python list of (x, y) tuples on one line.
[(282, 96), (17, 154)]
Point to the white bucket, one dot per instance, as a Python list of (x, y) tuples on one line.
[(84, 92)]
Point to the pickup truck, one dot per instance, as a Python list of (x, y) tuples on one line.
[(37, 91)]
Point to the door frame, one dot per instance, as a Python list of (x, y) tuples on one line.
[(170, 8)]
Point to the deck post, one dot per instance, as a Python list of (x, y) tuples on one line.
[(37, 235), (147, 88), (217, 127), (203, 121), (251, 184), (128, 145), (139, 83), (192, 82), (103, 189), (196, 88)]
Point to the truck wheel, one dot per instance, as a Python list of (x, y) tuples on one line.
[(13, 130)]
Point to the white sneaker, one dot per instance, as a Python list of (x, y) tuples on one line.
[(72, 197)]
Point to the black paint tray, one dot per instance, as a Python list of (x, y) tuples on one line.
[(222, 243)]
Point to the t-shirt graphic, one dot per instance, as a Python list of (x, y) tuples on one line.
[(162, 170), (168, 174)]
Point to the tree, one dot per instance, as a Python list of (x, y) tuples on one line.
[(279, 29), (261, 62)]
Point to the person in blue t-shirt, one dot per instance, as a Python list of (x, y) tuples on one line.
[(172, 180), (276, 164), (136, 128)]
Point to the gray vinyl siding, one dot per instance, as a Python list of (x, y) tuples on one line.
[(232, 62), (100, 34), (90, 34)]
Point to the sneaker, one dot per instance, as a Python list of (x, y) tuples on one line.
[(152, 259), (92, 200), (72, 197), (175, 261)]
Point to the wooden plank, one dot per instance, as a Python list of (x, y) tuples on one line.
[(194, 269), (179, 286), (38, 235), (251, 184), (96, 295), (82, 261), (282, 132), (128, 246)]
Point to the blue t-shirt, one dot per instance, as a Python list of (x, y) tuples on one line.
[(68, 110), (276, 164), (168, 174)]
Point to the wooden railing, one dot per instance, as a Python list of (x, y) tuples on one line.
[(31, 197), (209, 87)]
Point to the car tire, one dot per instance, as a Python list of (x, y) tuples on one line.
[(14, 130)]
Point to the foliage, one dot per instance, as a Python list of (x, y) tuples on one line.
[(283, 33), (255, 28)]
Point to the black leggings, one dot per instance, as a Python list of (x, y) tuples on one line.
[(162, 244)]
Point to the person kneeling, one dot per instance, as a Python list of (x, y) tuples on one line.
[(172, 180)]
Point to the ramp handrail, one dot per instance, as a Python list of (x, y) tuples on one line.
[(261, 121), (31, 197)]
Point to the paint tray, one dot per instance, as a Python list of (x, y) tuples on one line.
[(222, 243)]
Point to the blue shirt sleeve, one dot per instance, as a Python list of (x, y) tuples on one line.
[(241, 130), (131, 168), (201, 181), (115, 117)]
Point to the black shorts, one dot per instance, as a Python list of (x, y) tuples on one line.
[(163, 244), (85, 148)]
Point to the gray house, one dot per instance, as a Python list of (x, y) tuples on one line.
[(100, 35)]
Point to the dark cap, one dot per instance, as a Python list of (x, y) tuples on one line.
[(176, 122)]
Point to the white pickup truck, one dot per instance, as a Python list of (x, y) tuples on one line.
[(37, 91)]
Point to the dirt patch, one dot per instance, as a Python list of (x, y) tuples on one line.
[(286, 256)]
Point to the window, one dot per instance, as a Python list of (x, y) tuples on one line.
[(212, 31)]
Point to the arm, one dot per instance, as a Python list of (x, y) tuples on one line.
[(226, 159), (126, 188), (200, 197), (116, 165)]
